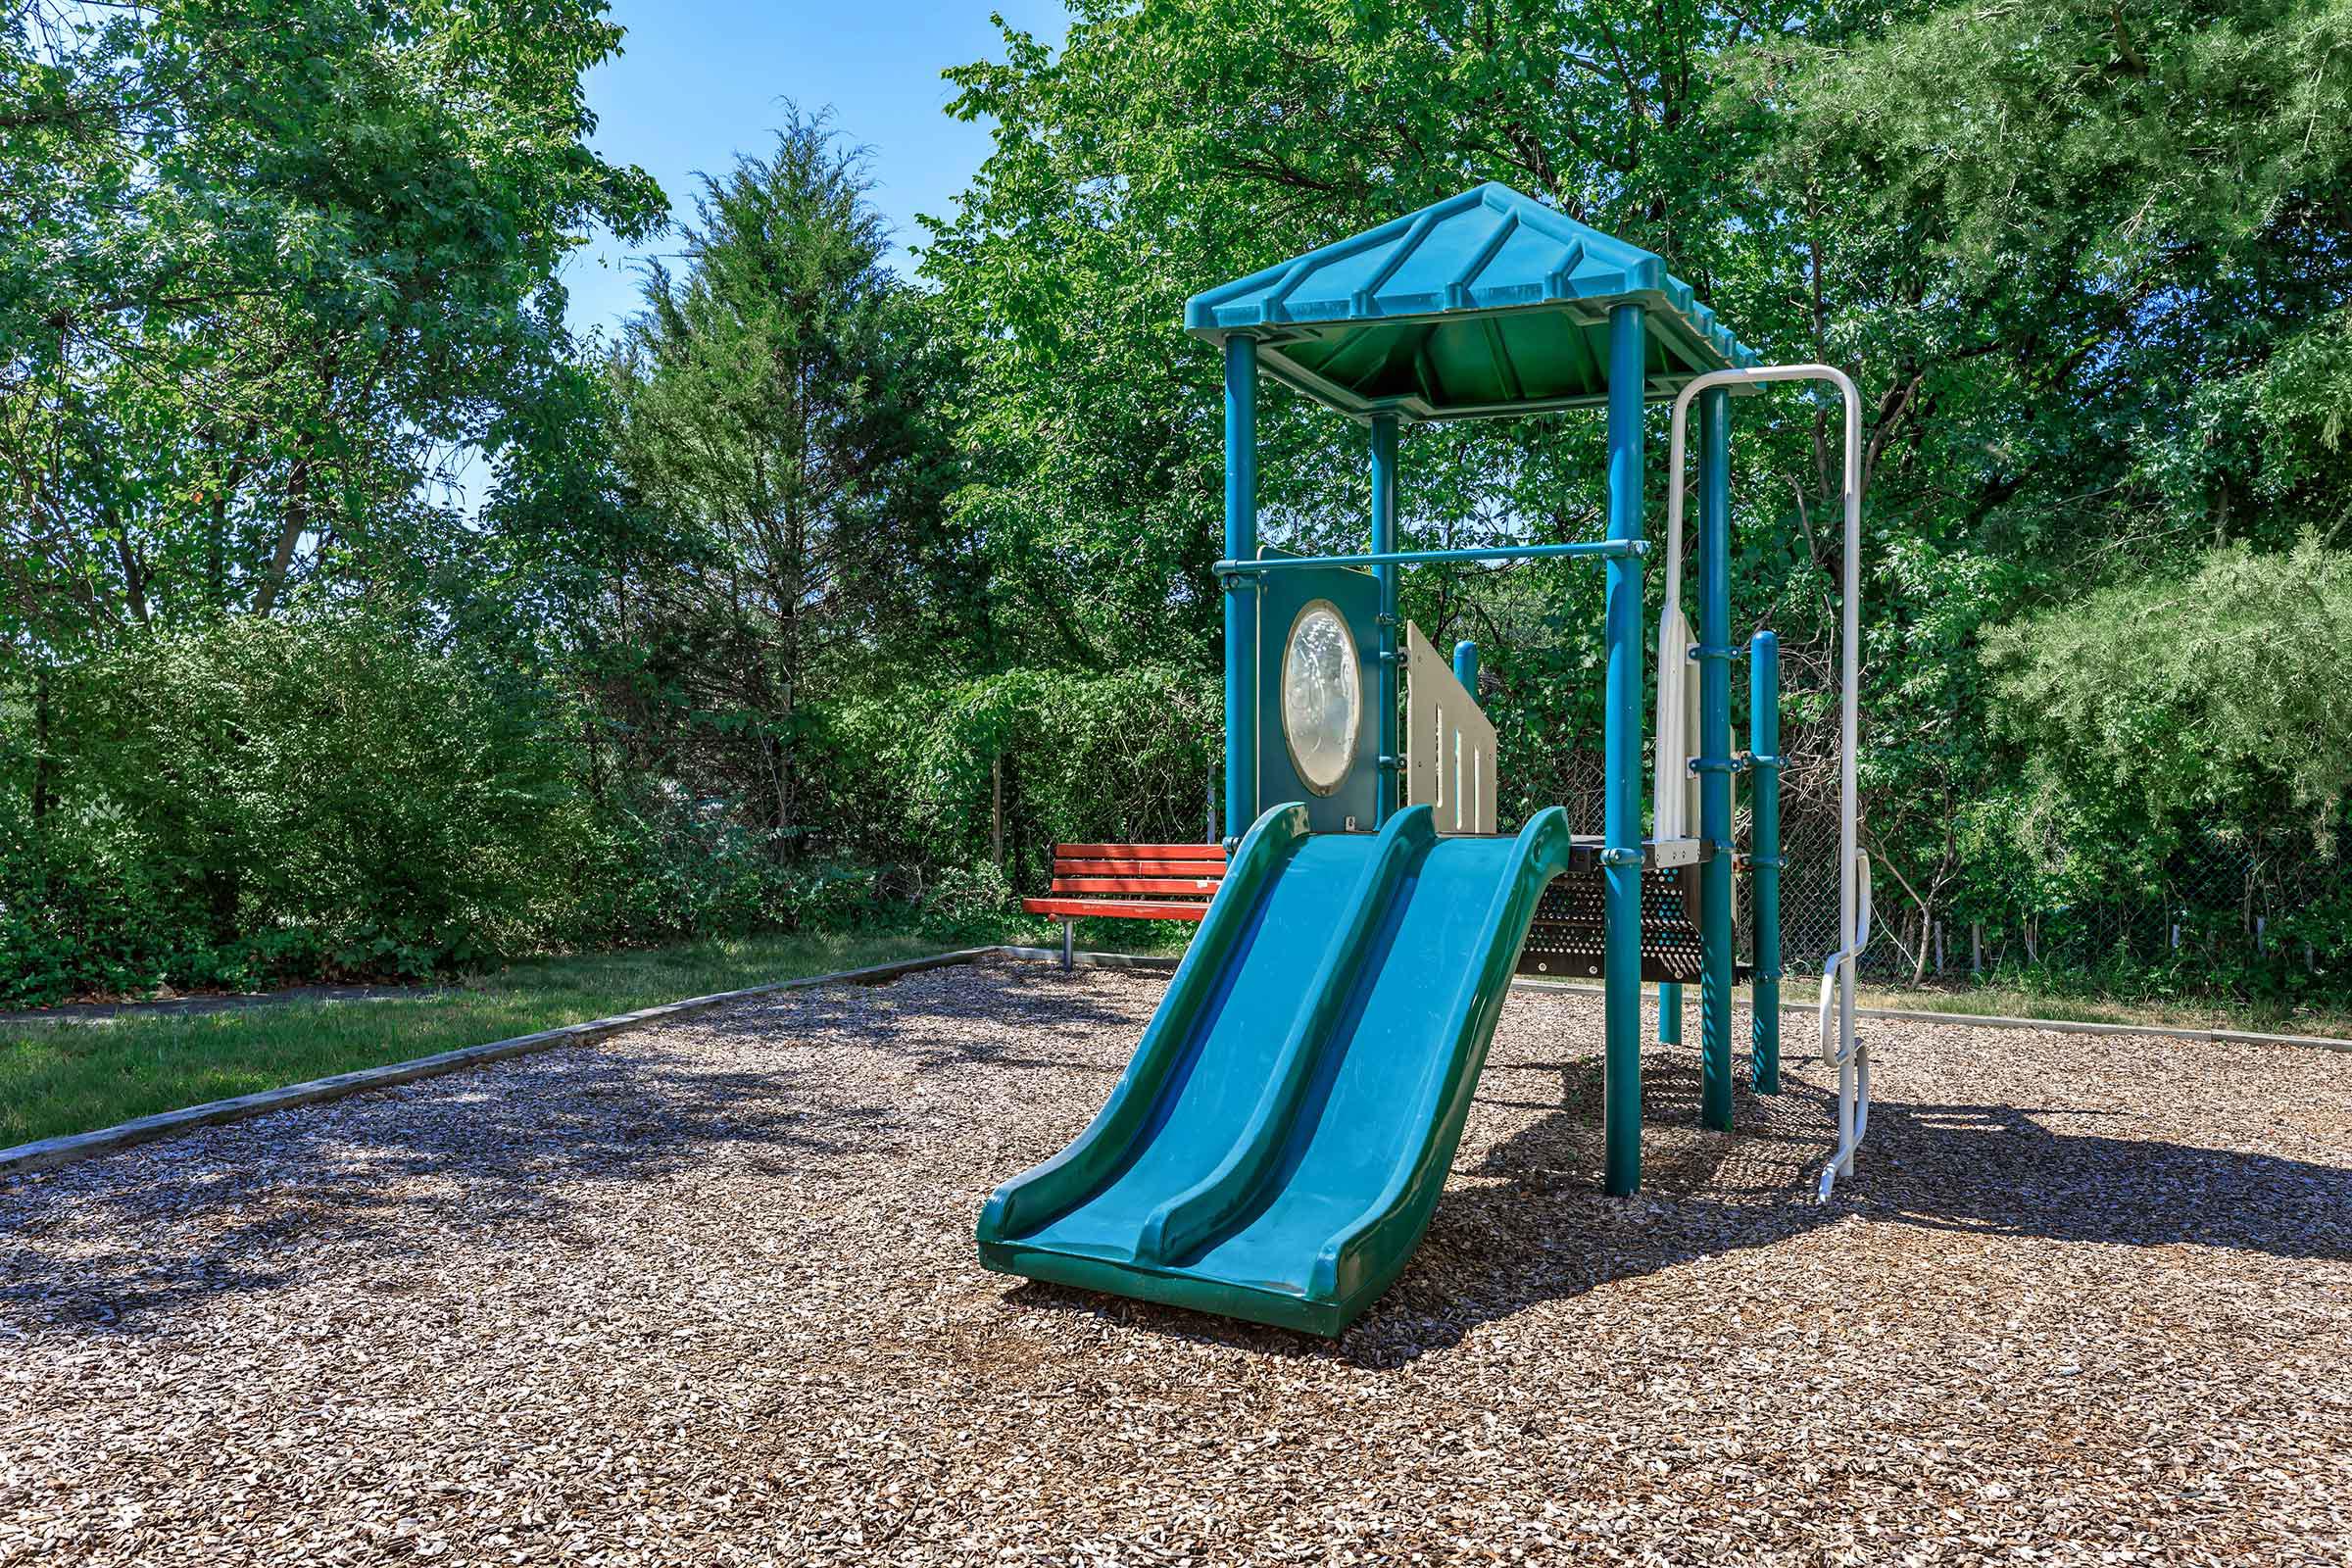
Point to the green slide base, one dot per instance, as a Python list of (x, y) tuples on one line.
[(1276, 1147), (1224, 1298)]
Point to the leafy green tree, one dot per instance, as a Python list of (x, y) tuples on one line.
[(262, 272), (2135, 215), (2089, 344), (1169, 147), (2115, 237)]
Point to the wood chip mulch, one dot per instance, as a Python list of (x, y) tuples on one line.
[(706, 1294)]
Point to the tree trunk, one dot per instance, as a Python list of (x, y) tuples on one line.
[(289, 536)]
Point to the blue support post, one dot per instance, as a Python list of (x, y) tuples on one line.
[(1241, 593), (1670, 1014), (1465, 666), (1715, 745), (1384, 542), (1621, 745), (1764, 865)]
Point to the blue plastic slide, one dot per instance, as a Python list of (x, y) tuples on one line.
[(1276, 1147)]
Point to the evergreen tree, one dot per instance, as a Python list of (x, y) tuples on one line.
[(775, 402)]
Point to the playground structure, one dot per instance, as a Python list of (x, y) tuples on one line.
[(1277, 1144)]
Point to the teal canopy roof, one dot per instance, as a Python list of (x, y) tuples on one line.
[(1484, 304)]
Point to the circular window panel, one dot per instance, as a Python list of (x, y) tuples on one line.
[(1322, 696)]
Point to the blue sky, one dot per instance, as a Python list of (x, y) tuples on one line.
[(698, 81)]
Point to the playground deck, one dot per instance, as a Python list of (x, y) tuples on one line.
[(707, 1293)]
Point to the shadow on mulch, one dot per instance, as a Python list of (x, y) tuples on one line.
[(189, 1222), (1532, 1225), (124, 1240)]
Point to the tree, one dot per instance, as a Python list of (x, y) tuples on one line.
[(1170, 147), (2135, 215), (2117, 232), (262, 270), (774, 403), (2085, 262)]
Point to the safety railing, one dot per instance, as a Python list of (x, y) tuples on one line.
[(1853, 886), (1448, 742)]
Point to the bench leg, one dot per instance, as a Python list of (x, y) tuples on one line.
[(1069, 946)]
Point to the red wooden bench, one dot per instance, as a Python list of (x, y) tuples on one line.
[(1129, 882)]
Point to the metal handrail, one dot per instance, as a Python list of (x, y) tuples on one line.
[(1836, 1052), (1841, 1050), (1853, 1061)]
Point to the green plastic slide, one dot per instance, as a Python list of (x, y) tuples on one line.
[(1276, 1147)]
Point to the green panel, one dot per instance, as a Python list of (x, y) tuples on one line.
[(1355, 594), (1194, 997)]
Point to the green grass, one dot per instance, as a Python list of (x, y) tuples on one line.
[(2008, 999), (72, 1077), (2075, 1006)]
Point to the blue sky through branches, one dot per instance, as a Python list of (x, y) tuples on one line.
[(700, 80)]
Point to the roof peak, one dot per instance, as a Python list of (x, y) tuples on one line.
[(1435, 313)]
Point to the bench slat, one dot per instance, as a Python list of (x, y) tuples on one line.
[(1210, 870), (1132, 881), (1115, 909), (1139, 852), (1182, 887)]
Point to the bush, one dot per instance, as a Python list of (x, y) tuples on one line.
[(2178, 758), (972, 904), (257, 801), (2217, 693), (1122, 756)]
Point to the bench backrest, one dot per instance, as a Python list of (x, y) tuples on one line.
[(1158, 871)]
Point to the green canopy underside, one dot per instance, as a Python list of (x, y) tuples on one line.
[(1484, 304)]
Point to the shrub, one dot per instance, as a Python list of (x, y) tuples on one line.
[(263, 800), (1126, 754), (2216, 693)]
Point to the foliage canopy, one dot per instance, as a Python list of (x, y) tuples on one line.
[(814, 570)]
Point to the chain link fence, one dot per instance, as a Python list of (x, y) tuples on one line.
[(2225, 903), (2234, 900)]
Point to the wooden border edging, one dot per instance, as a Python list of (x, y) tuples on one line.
[(47, 1154)]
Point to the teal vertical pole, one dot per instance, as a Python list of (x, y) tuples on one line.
[(1621, 745), (1764, 865), (1241, 593), (1670, 1014), (1715, 751), (1465, 666), (1384, 540)]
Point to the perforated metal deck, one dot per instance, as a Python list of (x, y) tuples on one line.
[(1567, 940)]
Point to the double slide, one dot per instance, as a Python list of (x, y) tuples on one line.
[(1276, 1147)]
